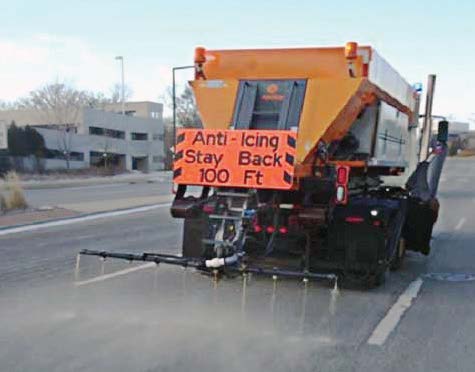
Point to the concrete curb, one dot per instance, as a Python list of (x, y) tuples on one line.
[(83, 216), (89, 183), (79, 184)]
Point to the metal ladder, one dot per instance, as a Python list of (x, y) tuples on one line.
[(236, 204)]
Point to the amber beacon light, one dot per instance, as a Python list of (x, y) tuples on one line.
[(200, 59), (351, 50), (200, 55)]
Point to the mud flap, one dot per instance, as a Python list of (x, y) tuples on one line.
[(365, 248), (194, 229), (369, 244), (420, 220)]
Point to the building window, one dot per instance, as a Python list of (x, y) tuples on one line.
[(157, 137), (113, 133), (157, 159), (136, 136), (71, 128), (96, 131), (155, 115), (57, 154)]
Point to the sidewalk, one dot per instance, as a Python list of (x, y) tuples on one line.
[(111, 205), (160, 176), (33, 216), (49, 210)]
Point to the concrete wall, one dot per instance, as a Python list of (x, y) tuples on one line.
[(146, 109), (85, 143), (151, 148), (457, 127), (148, 153), (30, 164), (33, 117), (52, 164)]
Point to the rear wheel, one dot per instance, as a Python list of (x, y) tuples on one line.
[(380, 278), (377, 278)]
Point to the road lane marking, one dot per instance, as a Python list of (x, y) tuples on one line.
[(115, 274), (460, 223), (395, 313), (73, 220)]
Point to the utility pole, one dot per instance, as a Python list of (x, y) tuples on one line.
[(121, 59)]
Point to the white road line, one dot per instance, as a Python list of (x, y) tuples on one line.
[(395, 313), (74, 220), (460, 223), (115, 274)]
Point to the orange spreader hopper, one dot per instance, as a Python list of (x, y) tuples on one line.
[(337, 84)]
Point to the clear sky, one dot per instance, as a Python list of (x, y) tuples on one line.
[(76, 41)]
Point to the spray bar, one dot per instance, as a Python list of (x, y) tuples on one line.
[(148, 257), (284, 273), (200, 264)]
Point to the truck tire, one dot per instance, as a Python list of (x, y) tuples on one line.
[(377, 278)]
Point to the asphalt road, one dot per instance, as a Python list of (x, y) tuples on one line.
[(169, 319)]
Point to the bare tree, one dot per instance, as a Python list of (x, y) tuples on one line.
[(168, 143), (5, 105), (65, 143), (116, 93), (187, 114), (59, 105), (108, 150)]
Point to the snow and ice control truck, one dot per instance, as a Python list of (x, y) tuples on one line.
[(311, 163)]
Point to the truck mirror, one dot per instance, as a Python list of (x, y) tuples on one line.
[(443, 131)]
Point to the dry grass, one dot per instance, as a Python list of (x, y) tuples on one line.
[(466, 153), (3, 204), (15, 198)]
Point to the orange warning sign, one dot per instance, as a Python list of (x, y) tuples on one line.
[(236, 158)]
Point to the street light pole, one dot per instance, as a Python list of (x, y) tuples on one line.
[(121, 59)]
